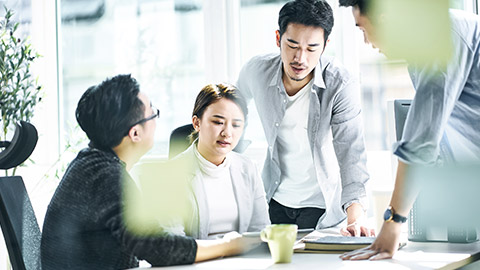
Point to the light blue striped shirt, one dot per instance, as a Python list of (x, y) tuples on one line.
[(334, 127), (443, 123)]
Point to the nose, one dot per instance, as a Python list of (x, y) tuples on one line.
[(299, 56), (365, 39), (227, 131)]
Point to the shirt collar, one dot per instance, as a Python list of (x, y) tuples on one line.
[(277, 76), (318, 81), (205, 164), (318, 75)]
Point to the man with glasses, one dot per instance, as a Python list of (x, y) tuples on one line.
[(85, 225)]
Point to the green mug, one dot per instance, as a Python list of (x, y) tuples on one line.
[(280, 239)]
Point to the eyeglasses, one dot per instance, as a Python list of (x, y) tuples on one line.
[(156, 114)]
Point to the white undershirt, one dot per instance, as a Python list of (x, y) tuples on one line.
[(299, 186), (222, 206)]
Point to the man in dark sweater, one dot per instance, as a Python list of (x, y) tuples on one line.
[(84, 225)]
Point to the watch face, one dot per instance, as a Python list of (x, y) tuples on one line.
[(388, 214)]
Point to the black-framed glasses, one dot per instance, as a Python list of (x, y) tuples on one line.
[(156, 114)]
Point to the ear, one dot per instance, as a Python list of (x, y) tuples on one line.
[(134, 134), (196, 123), (277, 35)]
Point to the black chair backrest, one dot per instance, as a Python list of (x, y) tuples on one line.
[(179, 141), (19, 224), (20, 148)]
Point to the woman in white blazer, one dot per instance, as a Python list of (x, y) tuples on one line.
[(227, 192)]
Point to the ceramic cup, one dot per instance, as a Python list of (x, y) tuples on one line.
[(280, 239)]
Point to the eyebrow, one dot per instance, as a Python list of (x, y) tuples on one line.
[(218, 116), (296, 42), (221, 117)]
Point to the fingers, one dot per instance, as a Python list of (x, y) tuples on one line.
[(231, 235), (367, 232), (351, 230), (359, 253), (364, 254), (356, 230), (367, 254), (345, 232), (381, 256)]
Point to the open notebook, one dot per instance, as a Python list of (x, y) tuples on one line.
[(317, 242)]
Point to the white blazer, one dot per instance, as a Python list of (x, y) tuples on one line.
[(247, 187)]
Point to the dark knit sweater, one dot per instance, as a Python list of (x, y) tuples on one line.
[(84, 226)]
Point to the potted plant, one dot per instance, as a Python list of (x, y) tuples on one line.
[(19, 90)]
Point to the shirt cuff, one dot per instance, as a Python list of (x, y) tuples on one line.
[(345, 206)]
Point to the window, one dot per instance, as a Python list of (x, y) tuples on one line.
[(160, 42)]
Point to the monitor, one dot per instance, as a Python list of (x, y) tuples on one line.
[(441, 198)]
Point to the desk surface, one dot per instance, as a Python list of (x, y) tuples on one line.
[(413, 256)]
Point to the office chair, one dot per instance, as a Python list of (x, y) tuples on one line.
[(19, 225), (20, 148), (179, 141)]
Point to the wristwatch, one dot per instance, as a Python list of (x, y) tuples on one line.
[(390, 216)]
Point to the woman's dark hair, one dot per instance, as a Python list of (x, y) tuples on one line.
[(362, 4), (106, 111), (316, 13), (213, 93)]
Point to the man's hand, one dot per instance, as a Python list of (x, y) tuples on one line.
[(235, 243), (384, 246), (231, 244), (356, 222)]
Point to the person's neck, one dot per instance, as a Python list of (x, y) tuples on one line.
[(215, 159), (126, 155), (292, 86)]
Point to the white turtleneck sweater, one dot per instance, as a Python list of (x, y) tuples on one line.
[(222, 205)]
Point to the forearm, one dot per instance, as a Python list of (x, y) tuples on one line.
[(354, 212), (209, 249), (404, 192)]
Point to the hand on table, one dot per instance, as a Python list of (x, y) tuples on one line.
[(356, 222), (355, 229), (384, 246), (238, 244)]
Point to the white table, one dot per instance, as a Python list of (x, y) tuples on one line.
[(414, 255)]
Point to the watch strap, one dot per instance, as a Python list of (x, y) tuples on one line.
[(392, 216)]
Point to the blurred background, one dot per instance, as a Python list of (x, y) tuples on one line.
[(173, 48)]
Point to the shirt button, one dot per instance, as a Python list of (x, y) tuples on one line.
[(276, 124), (276, 182), (284, 101)]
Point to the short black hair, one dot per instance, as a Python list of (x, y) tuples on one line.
[(316, 13), (106, 111), (362, 4)]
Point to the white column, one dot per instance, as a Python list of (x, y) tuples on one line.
[(222, 40)]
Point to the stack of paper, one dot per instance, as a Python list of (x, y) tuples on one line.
[(332, 244)]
